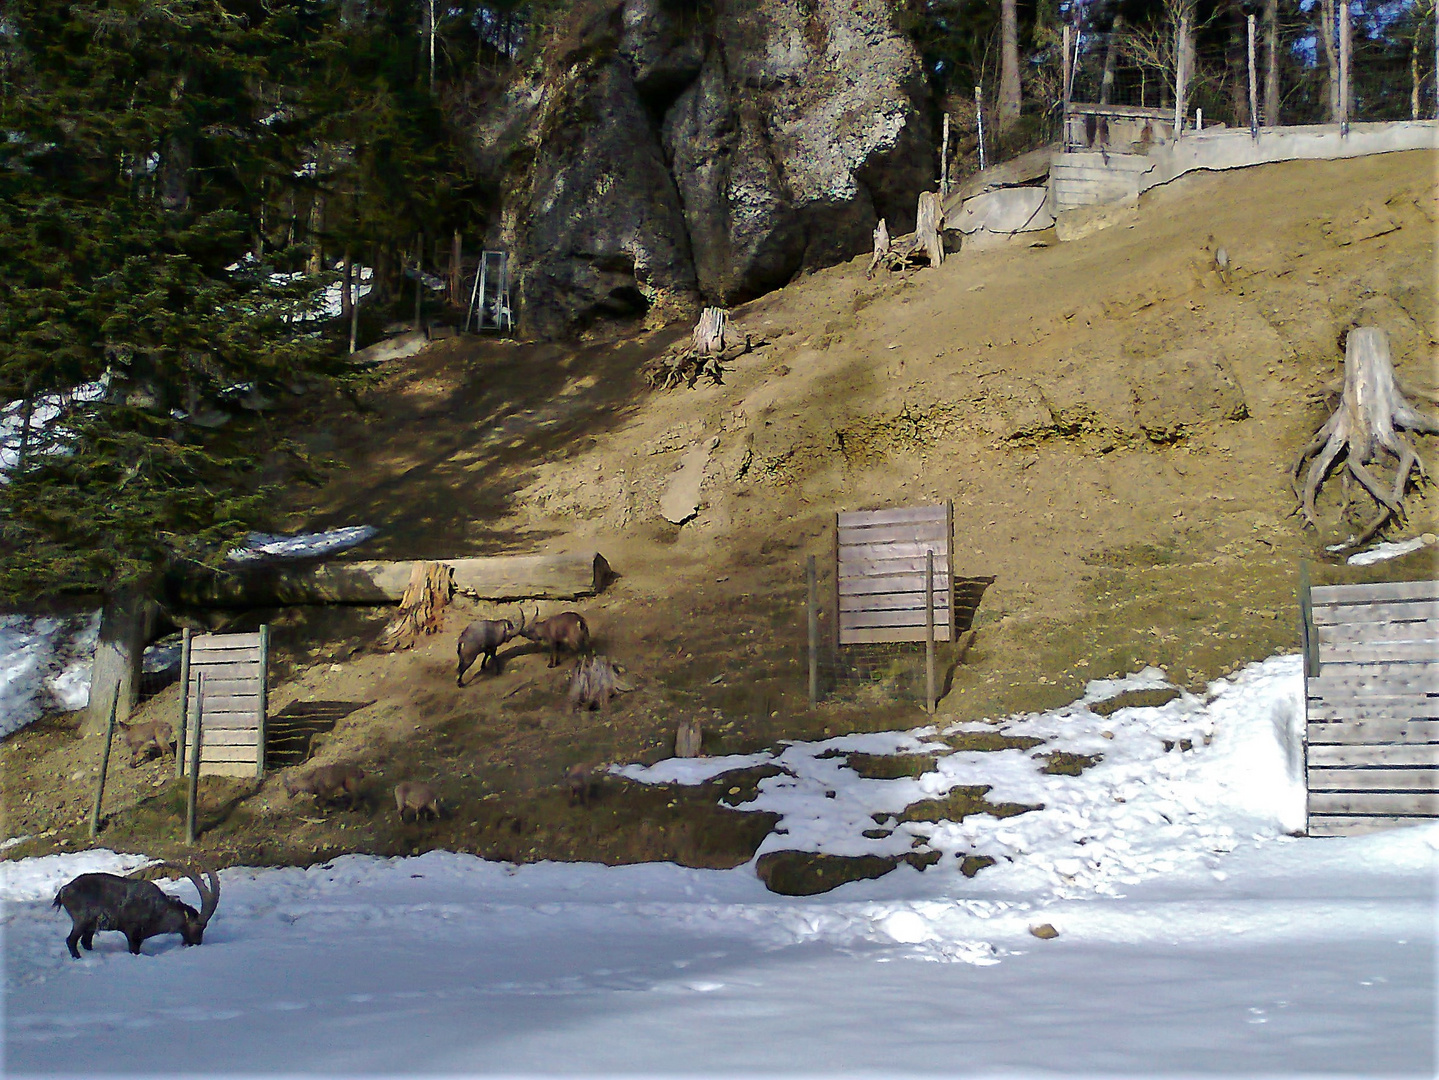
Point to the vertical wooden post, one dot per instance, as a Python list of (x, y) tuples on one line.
[(1307, 633), (979, 119), (185, 638), (193, 794), (812, 592), (944, 161), (456, 257), (264, 698), (104, 763), (355, 311), (1345, 47), (1253, 86), (929, 631), (474, 291), (1184, 31)]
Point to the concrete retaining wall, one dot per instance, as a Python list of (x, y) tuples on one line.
[(1092, 178)]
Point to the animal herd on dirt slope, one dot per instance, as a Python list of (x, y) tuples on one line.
[(141, 909)]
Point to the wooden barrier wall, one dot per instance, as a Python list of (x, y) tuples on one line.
[(232, 712), (1371, 666), (880, 560)]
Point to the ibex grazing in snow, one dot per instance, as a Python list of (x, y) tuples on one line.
[(417, 798), (567, 630), (328, 783), (138, 909), (480, 640), (142, 738)]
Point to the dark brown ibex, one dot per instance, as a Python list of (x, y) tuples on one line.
[(138, 909), (567, 630), (417, 798), (327, 783), (479, 641), (142, 738)]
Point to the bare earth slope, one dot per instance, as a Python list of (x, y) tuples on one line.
[(1113, 417)]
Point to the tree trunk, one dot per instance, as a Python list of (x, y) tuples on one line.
[(1271, 63), (1236, 65), (1414, 73), (1325, 31), (708, 336), (126, 622), (422, 607), (347, 296), (1010, 92), (881, 247), (928, 222), (1111, 59)]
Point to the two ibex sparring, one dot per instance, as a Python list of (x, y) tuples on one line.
[(142, 738), (327, 783), (417, 798), (567, 630), (138, 909), (480, 640)]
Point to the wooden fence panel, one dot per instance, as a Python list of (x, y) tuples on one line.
[(880, 575), (232, 706), (1372, 705)]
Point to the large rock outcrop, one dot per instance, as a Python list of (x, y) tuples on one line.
[(670, 158)]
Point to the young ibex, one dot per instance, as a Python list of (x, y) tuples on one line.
[(596, 680), (138, 909), (328, 783), (155, 735), (567, 630), (480, 640), (417, 798), (578, 781)]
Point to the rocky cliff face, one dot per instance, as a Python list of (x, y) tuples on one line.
[(672, 158)]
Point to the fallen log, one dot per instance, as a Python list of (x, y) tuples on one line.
[(567, 576)]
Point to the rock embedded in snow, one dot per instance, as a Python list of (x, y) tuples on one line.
[(1044, 931)]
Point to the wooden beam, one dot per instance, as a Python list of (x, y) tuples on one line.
[(1390, 754), (567, 576), (1358, 824), (1374, 779)]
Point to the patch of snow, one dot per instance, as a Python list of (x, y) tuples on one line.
[(23, 880), (1190, 928), (44, 436), (1381, 552), (266, 546), (44, 665)]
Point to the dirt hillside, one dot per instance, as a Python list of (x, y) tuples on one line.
[(1114, 418)]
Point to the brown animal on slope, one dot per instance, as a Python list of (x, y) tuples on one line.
[(138, 909), (417, 798), (154, 735), (577, 781), (327, 783), (479, 641), (595, 681), (567, 630)]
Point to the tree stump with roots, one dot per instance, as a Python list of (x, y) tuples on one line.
[(1372, 411), (422, 608)]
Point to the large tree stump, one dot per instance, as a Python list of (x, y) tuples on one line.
[(1371, 411), (708, 336), (881, 247), (422, 607), (929, 222)]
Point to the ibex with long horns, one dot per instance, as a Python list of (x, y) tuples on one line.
[(138, 909), (567, 630)]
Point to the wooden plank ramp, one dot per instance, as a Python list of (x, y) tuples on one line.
[(1372, 705), (232, 702)]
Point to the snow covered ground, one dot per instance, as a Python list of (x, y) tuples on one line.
[(1195, 936)]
